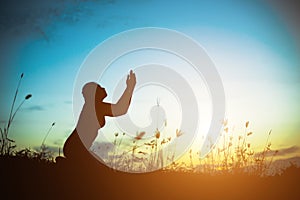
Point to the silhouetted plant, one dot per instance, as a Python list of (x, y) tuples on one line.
[(7, 144), (46, 135), (44, 154), (25, 153)]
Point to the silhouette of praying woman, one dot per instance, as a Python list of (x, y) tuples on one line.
[(92, 118)]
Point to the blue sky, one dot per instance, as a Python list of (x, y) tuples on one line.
[(252, 43)]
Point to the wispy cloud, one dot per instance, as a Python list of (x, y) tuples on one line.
[(58, 142), (68, 102), (282, 152), (53, 149), (35, 108), (289, 150)]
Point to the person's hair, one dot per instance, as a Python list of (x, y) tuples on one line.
[(89, 90)]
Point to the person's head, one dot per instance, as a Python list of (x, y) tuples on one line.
[(93, 92)]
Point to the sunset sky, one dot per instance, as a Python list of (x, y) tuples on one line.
[(254, 45)]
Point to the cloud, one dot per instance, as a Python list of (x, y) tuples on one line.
[(289, 150), (53, 149), (102, 149), (58, 142), (282, 152), (35, 108), (34, 16), (68, 102)]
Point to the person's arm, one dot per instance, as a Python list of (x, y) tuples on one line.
[(121, 107)]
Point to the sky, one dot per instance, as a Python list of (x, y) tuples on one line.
[(254, 45)]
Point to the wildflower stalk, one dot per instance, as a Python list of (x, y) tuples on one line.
[(14, 100), (6, 146), (18, 108), (43, 143)]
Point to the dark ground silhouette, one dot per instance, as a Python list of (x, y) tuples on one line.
[(28, 178), (25, 177)]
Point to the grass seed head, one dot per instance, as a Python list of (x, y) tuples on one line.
[(157, 134), (247, 124), (28, 96), (140, 135)]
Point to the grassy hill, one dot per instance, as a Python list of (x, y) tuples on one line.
[(29, 178)]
